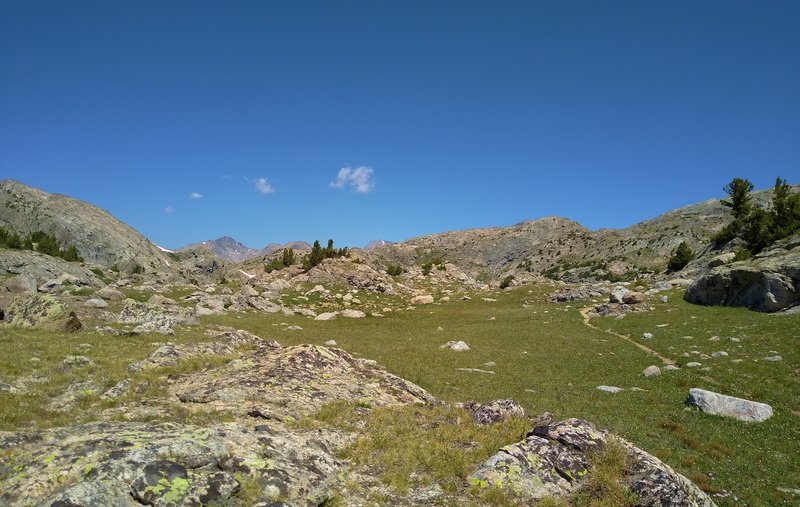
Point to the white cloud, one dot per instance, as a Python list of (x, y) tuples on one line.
[(359, 179), (263, 186), (168, 209), (194, 196)]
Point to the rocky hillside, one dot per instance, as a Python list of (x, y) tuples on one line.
[(294, 245), (99, 237), (562, 248), (225, 248)]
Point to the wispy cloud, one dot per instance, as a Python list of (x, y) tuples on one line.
[(168, 209), (359, 179), (195, 195), (263, 186)]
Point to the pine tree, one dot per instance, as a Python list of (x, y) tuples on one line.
[(681, 256)]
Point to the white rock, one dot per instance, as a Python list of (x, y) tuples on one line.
[(330, 343), (773, 359), (353, 314), (95, 303), (294, 328), (729, 406), (609, 389), (424, 299), (458, 346), (652, 371), (326, 316), (720, 353), (671, 367), (693, 365), (647, 336)]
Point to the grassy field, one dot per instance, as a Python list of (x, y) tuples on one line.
[(548, 360), (544, 357)]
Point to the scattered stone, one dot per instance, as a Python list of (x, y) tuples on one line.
[(475, 370), (671, 367), (664, 299), (773, 359), (458, 346), (95, 303), (331, 343), (72, 324), (424, 299), (494, 412), (662, 325), (158, 299), (353, 314), (119, 389), (647, 336), (294, 328), (8, 388), (652, 371), (110, 294), (490, 364), (440, 328), (248, 291), (72, 395), (317, 289), (729, 406), (721, 260), (617, 294), (74, 362), (632, 298), (719, 354), (609, 389)]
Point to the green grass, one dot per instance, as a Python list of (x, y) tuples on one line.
[(412, 446), (36, 352), (548, 360)]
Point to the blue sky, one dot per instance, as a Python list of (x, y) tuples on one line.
[(193, 120)]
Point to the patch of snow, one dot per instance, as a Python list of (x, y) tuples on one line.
[(248, 275), (165, 249)]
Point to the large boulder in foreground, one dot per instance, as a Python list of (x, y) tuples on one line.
[(729, 406), (554, 460), (134, 464), (768, 283)]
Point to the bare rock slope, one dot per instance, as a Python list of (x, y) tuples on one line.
[(99, 237)]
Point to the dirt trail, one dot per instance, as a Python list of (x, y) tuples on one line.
[(587, 321)]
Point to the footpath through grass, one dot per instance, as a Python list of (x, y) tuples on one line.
[(548, 360)]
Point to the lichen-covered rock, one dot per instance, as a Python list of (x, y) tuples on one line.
[(71, 362), (31, 309), (169, 354), (495, 411), (130, 464), (155, 318), (74, 393), (729, 406), (291, 382), (554, 460)]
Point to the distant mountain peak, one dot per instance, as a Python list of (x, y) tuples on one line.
[(226, 248), (375, 243)]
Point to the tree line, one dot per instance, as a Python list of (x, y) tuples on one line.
[(39, 242)]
